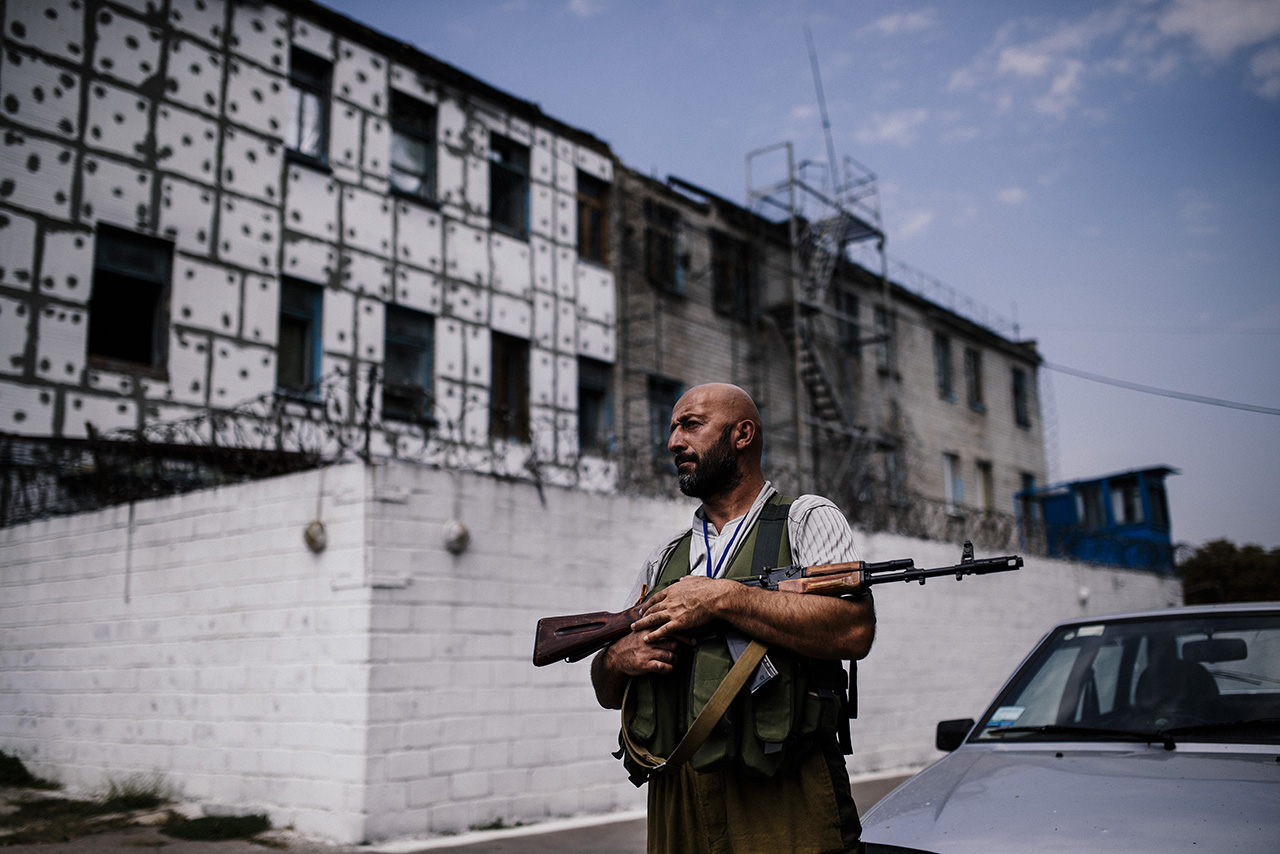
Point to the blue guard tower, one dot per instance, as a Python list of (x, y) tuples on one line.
[(1119, 519)]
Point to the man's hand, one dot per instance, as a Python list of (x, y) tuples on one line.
[(688, 604), (631, 655)]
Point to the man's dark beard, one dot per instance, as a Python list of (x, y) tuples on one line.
[(715, 472)]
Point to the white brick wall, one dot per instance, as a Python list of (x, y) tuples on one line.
[(384, 687), (195, 636)]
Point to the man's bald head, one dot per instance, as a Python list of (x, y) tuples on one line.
[(731, 408)]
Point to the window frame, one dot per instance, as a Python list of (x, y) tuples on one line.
[(309, 75), (399, 394), (114, 338), (595, 396), (661, 395), (1021, 398), (973, 379), (731, 291), (593, 219), (509, 415), (952, 482), (509, 160), (943, 367), (415, 120), (312, 316), (985, 476), (662, 247)]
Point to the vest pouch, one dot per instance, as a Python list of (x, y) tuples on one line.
[(822, 700), (711, 663), (644, 719), (771, 711)]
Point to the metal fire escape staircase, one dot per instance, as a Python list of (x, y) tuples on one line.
[(824, 225)]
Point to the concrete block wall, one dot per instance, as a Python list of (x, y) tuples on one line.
[(196, 637), (464, 730), (383, 688)]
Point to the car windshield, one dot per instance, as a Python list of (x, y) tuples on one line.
[(1212, 677)]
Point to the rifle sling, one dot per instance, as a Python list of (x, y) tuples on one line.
[(707, 719)]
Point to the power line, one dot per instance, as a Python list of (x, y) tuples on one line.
[(1163, 392)]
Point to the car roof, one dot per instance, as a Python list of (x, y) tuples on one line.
[(1177, 612)]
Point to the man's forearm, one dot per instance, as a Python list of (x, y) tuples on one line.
[(813, 626)]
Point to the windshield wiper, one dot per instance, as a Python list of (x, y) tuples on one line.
[(1108, 733), (1261, 726)]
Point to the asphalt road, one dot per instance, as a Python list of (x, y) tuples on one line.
[(597, 835)]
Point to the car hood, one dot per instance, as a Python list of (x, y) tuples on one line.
[(1057, 797)]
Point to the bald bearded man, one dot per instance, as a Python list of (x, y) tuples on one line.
[(771, 775)]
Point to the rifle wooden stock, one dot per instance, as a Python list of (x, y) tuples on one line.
[(575, 636)]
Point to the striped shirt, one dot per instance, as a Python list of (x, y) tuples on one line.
[(818, 531)]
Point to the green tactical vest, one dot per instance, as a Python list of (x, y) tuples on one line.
[(764, 731)]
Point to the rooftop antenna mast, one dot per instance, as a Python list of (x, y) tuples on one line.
[(822, 108)]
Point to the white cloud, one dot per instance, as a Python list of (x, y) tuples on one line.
[(1013, 195), (914, 224), (1221, 27), (1265, 67), (1063, 94), (899, 128), (586, 8), (1054, 65), (1023, 62), (905, 22)]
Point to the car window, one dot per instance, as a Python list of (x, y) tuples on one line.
[(1127, 678)]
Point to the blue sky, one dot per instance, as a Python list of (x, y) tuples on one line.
[(1106, 175)]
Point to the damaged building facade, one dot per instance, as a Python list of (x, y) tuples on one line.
[(242, 238), (227, 227), (914, 418), (263, 226)]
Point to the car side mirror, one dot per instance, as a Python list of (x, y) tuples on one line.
[(951, 734)]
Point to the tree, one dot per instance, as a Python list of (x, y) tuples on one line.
[(1218, 571)]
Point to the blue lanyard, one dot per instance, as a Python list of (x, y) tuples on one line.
[(706, 540)]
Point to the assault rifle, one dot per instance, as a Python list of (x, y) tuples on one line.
[(575, 636)]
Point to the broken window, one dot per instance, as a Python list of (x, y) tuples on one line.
[(413, 147), (663, 395), (593, 219), (509, 186), (952, 482), (973, 378), (730, 276), (509, 392), (1021, 398), (847, 329), (662, 248), (942, 366), (129, 300), (595, 405), (307, 134), (298, 348), (986, 486), (407, 364), (883, 332)]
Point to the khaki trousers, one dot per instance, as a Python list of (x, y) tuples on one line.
[(809, 811)]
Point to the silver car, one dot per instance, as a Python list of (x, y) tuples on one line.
[(1157, 731)]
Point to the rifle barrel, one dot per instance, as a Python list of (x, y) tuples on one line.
[(960, 570)]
